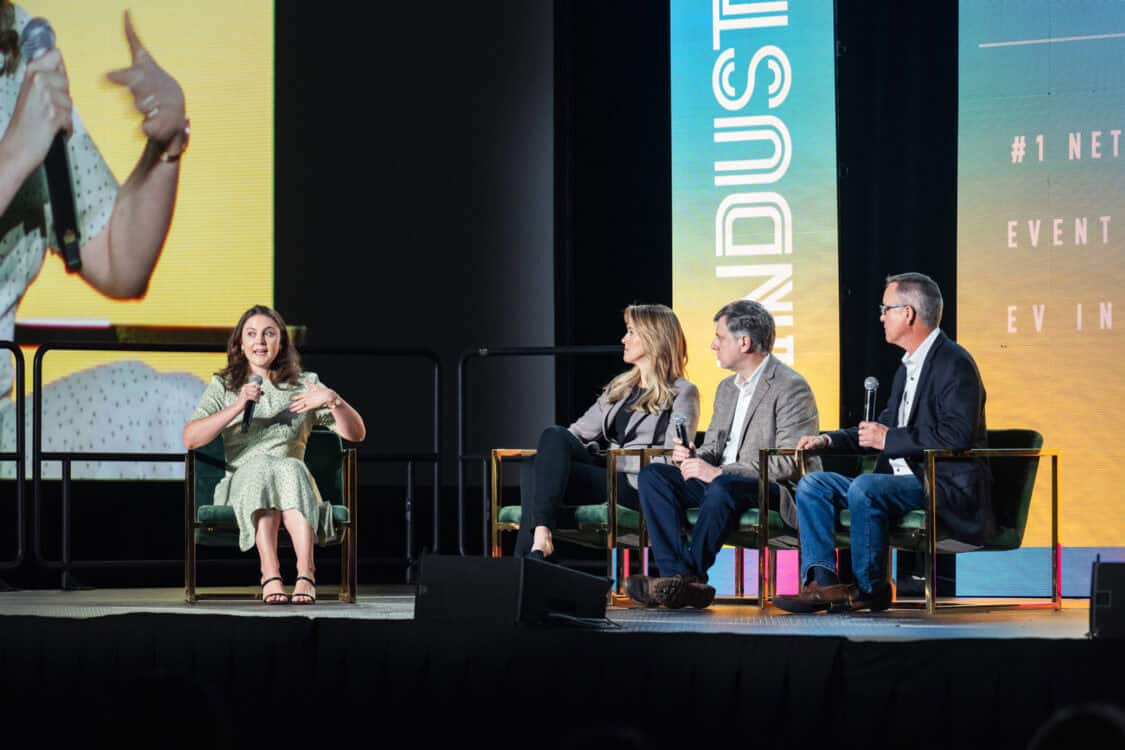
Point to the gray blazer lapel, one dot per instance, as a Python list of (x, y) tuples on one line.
[(725, 408), (760, 390), (635, 417), (610, 415)]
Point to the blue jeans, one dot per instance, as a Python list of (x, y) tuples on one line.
[(665, 498), (875, 501)]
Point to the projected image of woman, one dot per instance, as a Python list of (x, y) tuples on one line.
[(267, 482), (122, 230), (634, 411)]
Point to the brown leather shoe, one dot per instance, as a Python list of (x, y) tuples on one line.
[(693, 593), (674, 592), (814, 598), (877, 600), (639, 590)]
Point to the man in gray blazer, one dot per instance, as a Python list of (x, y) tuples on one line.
[(764, 404)]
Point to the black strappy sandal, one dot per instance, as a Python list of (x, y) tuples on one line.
[(282, 597), (305, 598)]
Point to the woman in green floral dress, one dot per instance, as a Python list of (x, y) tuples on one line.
[(267, 482)]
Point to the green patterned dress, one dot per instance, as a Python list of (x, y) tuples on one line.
[(265, 466)]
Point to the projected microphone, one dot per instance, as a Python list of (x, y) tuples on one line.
[(870, 386), (248, 412), (680, 423), (37, 40)]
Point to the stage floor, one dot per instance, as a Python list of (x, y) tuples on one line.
[(397, 604)]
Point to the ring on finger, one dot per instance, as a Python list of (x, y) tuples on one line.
[(147, 103), (152, 113)]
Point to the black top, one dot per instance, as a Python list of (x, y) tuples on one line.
[(620, 423)]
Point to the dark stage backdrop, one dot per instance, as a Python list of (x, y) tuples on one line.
[(415, 204)]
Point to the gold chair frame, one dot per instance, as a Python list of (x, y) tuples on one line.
[(615, 568), (615, 564), (931, 603), (349, 560)]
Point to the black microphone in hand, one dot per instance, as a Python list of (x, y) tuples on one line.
[(870, 386), (37, 40), (248, 412), (680, 422)]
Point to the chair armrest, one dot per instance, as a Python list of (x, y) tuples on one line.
[(498, 456), (933, 455), (992, 453), (646, 454)]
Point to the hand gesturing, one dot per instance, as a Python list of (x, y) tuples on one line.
[(156, 94)]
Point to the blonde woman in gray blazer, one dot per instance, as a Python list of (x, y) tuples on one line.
[(634, 411)]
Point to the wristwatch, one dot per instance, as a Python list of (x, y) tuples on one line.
[(185, 136)]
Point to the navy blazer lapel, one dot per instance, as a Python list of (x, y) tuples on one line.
[(926, 377), (894, 398)]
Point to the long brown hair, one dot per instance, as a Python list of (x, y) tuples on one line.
[(9, 39), (659, 330), (285, 368)]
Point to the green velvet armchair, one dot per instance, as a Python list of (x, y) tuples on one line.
[(332, 466), (1013, 456)]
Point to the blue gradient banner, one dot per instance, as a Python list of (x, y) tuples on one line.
[(754, 180)]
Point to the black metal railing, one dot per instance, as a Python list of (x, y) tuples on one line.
[(66, 563), (462, 410), (19, 456), (409, 459)]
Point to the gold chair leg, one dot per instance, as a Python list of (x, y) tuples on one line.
[(494, 533), (739, 576), (349, 546), (1056, 548), (189, 529), (930, 565), (772, 583)]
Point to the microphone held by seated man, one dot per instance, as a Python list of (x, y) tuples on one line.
[(936, 402), (764, 404)]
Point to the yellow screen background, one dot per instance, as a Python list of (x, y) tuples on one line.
[(218, 259)]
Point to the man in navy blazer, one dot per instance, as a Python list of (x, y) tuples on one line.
[(936, 401)]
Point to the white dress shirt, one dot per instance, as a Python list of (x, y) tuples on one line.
[(913, 362), (745, 392)]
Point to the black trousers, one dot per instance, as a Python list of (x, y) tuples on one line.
[(562, 474)]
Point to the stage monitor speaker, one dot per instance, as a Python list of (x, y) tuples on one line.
[(503, 591), (1107, 600)]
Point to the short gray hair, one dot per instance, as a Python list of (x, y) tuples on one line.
[(922, 293), (748, 318)]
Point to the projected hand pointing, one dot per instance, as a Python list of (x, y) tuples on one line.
[(156, 94)]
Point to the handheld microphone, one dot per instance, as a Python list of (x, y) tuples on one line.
[(680, 422), (248, 412), (870, 386), (37, 40)]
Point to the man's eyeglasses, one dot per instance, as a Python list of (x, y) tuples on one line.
[(883, 308)]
